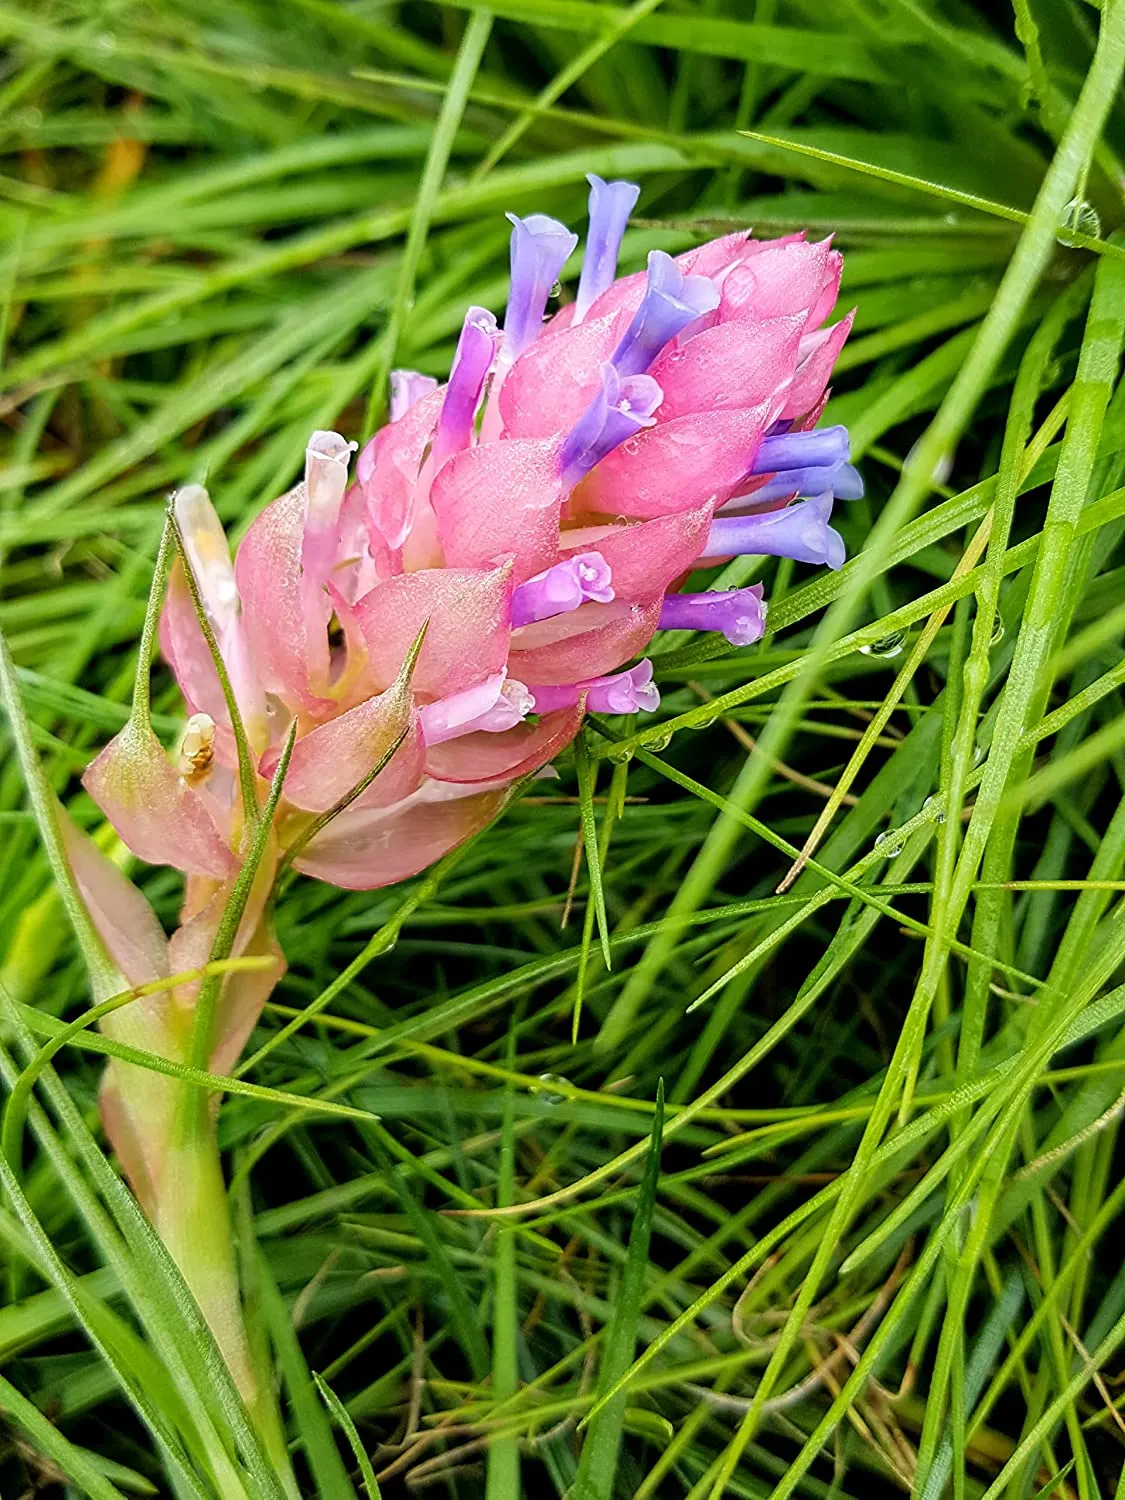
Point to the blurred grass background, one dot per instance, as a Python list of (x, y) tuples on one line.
[(882, 1254)]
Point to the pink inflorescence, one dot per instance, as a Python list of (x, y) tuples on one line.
[(536, 514)]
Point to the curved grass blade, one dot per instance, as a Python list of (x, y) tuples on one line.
[(340, 1412), (313, 1430)]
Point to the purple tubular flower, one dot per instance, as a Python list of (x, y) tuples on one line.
[(622, 693), (619, 410), (408, 388), (471, 363), (611, 203), (562, 588), (819, 449), (799, 531), (671, 301), (496, 704), (739, 614), (845, 482), (541, 246)]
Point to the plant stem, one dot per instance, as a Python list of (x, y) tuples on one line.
[(192, 1216)]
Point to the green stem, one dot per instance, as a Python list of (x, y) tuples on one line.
[(193, 1219), (192, 1216)]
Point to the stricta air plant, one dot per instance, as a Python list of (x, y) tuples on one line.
[(443, 612)]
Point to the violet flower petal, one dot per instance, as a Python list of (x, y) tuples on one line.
[(541, 246), (844, 480), (820, 448), (799, 531), (611, 203), (562, 588), (621, 693), (407, 389), (739, 614), (471, 364), (620, 410), (671, 301)]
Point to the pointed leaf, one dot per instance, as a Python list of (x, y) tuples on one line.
[(587, 778)]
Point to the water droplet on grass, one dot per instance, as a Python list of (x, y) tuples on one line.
[(935, 808), (549, 1094), (888, 845), (1078, 218), (887, 646)]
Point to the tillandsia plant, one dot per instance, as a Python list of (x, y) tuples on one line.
[(392, 650)]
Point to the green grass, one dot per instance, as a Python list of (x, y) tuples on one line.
[(590, 1161)]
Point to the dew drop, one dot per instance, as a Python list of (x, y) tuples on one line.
[(704, 723), (105, 41), (997, 632), (660, 741), (934, 808), (549, 1093), (889, 645), (631, 445), (1078, 217), (556, 290), (887, 845), (620, 755)]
